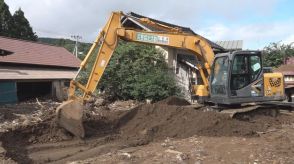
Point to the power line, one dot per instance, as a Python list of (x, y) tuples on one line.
[(76, 38)]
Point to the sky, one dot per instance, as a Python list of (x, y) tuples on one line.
[(256, 22)]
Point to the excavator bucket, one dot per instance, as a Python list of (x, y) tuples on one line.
[(69, 116)]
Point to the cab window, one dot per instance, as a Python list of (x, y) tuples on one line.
[(219, 76), (255, 67), (245, 70)]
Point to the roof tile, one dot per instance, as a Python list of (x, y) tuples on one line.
[(27, 52)]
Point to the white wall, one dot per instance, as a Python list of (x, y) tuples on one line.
[(182, 75)]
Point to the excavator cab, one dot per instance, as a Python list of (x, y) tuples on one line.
[(238, 77)]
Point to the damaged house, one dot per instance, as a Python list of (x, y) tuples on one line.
[(182, 62), (30, 69)]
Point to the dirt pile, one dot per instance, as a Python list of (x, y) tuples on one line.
[(173, 100), (151, 122), (172, 117), (158, 121)]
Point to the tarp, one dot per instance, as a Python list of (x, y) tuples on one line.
[(8, 93)]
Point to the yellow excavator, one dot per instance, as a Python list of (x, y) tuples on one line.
[(228, 78)]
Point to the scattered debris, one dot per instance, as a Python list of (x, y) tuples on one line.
[(123, 130)]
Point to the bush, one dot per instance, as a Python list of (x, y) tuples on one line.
[(275, 53), (138, 71)]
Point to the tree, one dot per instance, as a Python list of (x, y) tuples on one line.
[(21, 27), (5, 20), (137, 71), (16, 26), (275, 54)]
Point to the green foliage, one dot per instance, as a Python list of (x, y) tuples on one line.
[(68, 44), (6, 20), (138, 71), (21, 27), (16, 26), (275, 54)]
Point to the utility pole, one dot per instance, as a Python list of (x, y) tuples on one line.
[(76, 38)]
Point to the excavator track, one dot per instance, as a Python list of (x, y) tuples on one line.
[(271, 108)]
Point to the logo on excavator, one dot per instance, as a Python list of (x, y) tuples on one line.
[(152, 38)]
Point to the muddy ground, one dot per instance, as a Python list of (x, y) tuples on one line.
[(169, 131)]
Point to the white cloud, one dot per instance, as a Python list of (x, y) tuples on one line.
[(255, 36), (289, 39), (63, 18), (215, 32)]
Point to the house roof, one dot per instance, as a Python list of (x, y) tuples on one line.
[(290, 60), (286, 69), (33, 53), (184, 29), (231, 44)]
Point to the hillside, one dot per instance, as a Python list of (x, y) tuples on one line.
[(68, 44)]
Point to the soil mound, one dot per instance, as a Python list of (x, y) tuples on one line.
[(157, 121), (160, 121), (146, 123), (173, 100), (149, 122)]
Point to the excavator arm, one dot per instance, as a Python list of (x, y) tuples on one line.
[(69, 114), (113, 31)]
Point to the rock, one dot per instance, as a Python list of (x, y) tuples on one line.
[(182, 156), (26, 122), (172, 147), (251, 156), (172, 151), (164, 144), (179, 155), (91, 100), (167, 143), (73, 162), (99, 102), (167, 140), (128, 150), (33, 138), (144, 132), (125, 154), (148, 101), (198, 162), (15, 121), (122, 105), (1, 117), (2, 150), (64, 135)]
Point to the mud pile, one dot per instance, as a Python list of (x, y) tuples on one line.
[(172, 117), (167, 118), (173, 100), (158, 121)]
